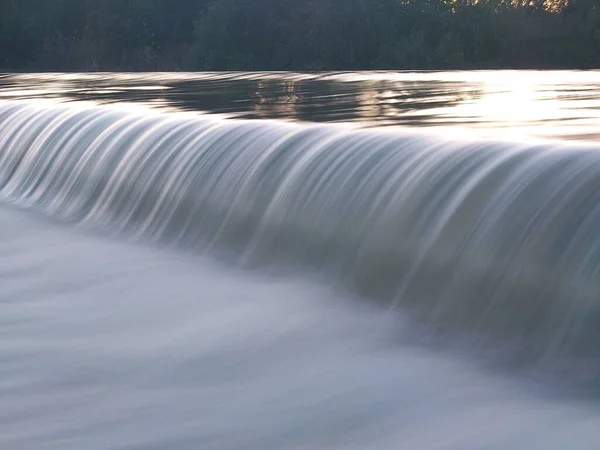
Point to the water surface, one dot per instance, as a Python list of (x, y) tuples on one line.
[(499, 104), (385, 261)]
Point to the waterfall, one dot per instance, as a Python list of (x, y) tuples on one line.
[(501, 238)]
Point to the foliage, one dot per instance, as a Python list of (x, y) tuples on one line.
[(67, 35)]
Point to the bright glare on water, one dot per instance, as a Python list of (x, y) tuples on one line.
[(390, 261)]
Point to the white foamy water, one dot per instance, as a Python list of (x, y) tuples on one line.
[(111, 345)]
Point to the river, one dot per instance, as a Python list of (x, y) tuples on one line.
[(300, 261)]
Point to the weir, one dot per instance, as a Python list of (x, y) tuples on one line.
[(501, 238)]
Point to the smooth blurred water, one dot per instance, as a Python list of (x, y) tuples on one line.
[(121, 330), (111, 345)]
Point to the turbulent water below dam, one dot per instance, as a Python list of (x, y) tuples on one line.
[(300, 261)]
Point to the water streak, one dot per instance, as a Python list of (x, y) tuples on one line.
[(500, 238)]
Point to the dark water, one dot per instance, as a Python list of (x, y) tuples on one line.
[(390, 261)]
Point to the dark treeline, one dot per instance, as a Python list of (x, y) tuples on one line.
[(85, 35)]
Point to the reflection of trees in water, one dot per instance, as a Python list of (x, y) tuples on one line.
[(267, 96), (276, 98), (411, 102), (316, 98), (381, 102), (370, 99)]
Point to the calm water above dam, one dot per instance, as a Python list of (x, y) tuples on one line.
[(514, 104), (300, 261)]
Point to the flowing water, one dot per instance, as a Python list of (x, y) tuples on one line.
[(300, 261)]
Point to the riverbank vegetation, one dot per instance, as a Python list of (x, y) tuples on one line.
[(111, 35)]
